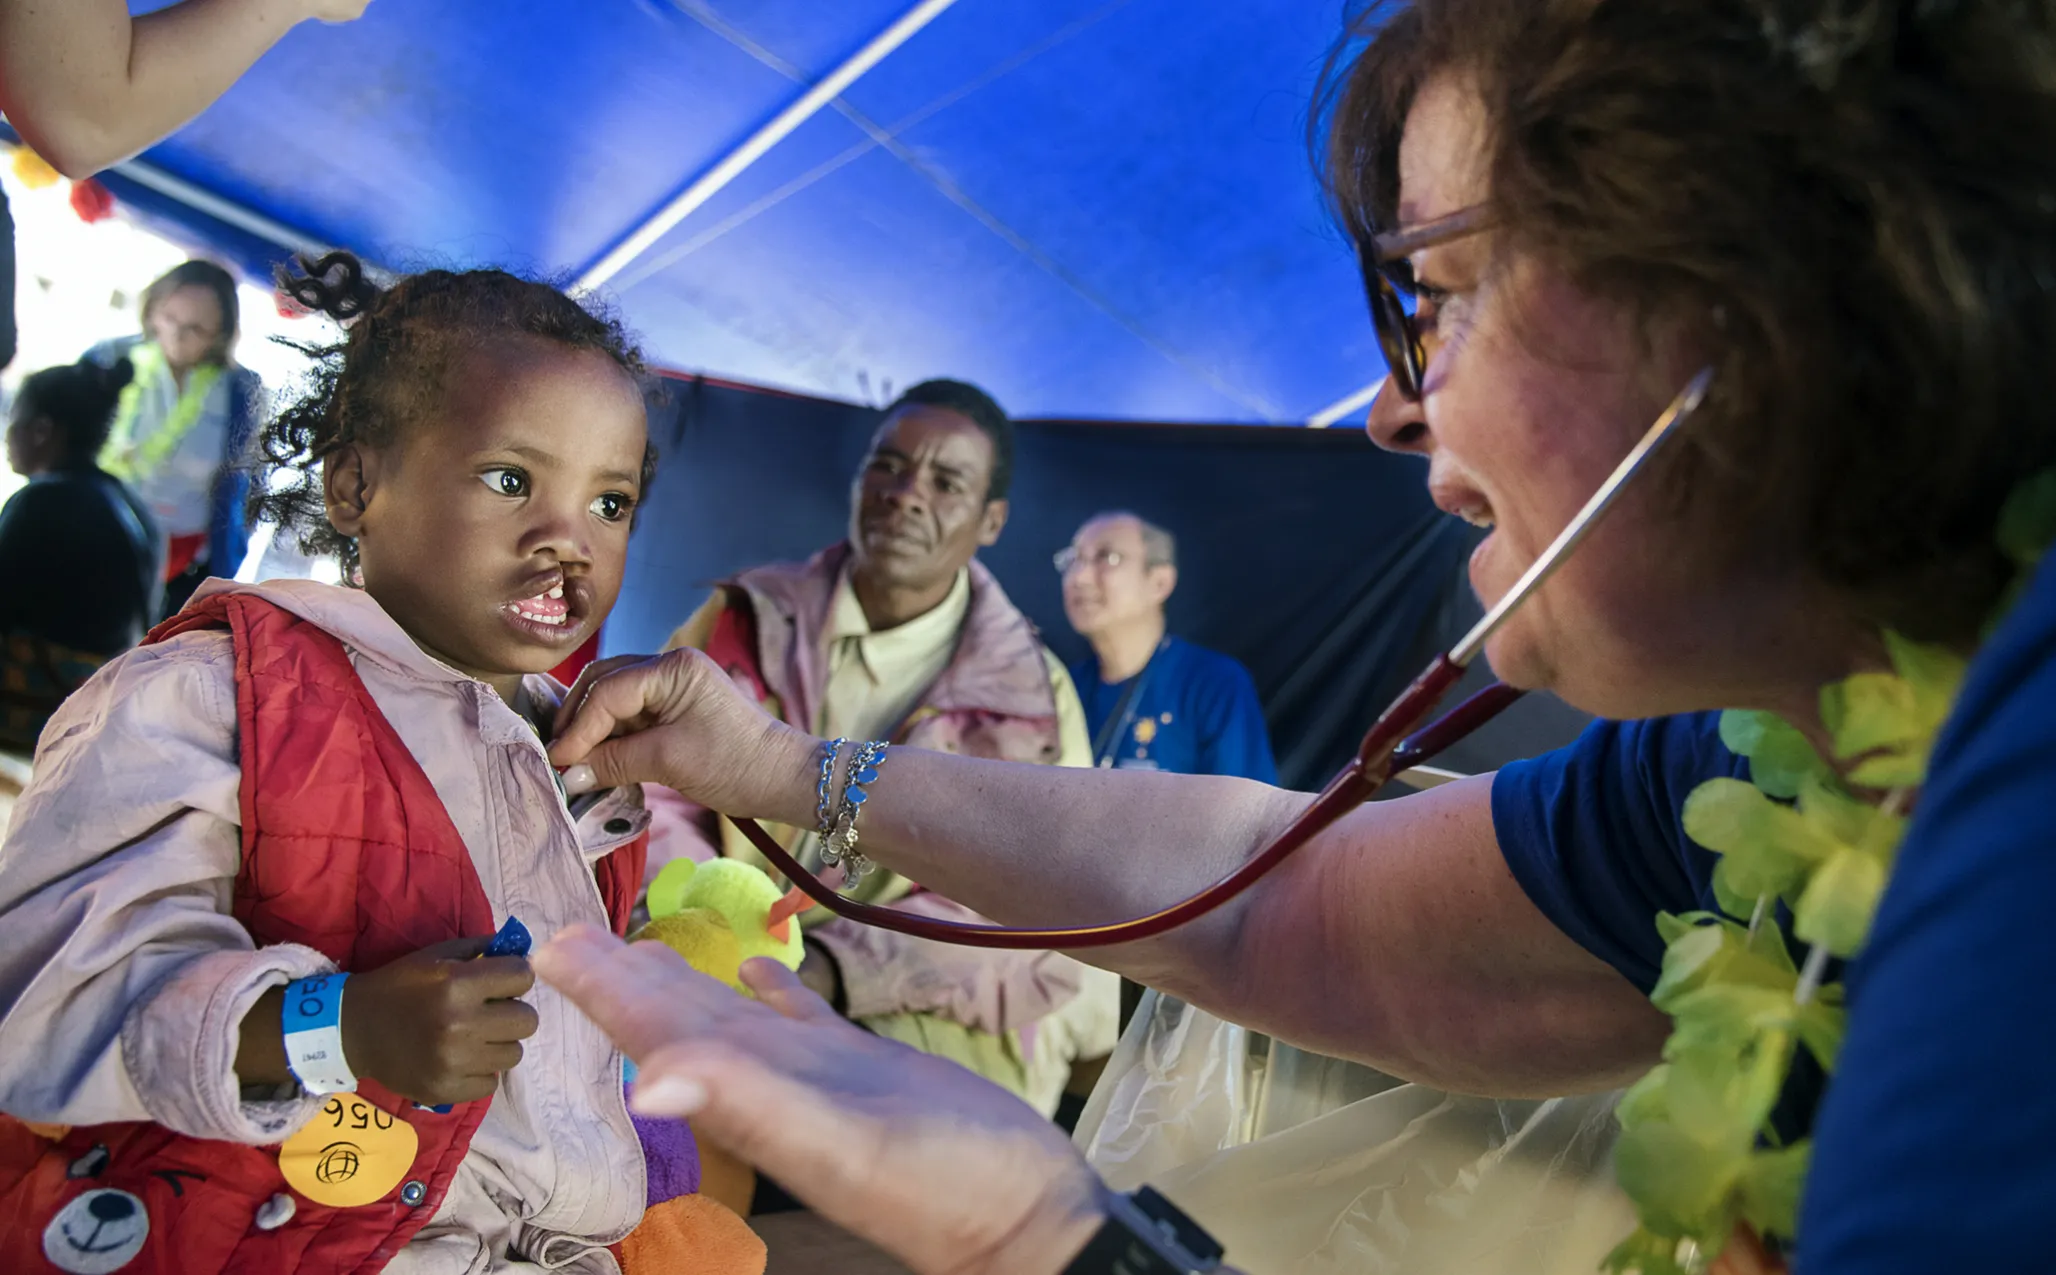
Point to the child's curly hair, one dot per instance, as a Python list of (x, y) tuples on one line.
[(389, 370)]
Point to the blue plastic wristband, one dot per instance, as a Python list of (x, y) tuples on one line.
[(313, 1020)]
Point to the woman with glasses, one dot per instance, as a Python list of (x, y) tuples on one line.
[(1820, 910), (184, 427)]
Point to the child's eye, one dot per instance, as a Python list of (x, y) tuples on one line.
[(613, 506), (508, 482)]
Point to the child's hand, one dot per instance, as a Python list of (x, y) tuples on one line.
[(437, 1025)]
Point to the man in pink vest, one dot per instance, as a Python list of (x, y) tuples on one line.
[(900, 634)]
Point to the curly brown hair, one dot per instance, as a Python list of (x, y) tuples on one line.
[(1854, 199), (389, 370)]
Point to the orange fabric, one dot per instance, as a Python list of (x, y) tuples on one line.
[(346, 849), (692, 1233), (724, 1177)]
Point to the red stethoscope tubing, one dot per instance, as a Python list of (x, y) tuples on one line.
[(1393, 744)]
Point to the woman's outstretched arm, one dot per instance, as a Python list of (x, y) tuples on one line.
[(1398, 937)]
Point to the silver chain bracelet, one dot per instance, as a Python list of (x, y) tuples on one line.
[(824, 813), (840, 845)]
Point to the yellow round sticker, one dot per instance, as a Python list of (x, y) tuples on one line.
[(352, 1153)]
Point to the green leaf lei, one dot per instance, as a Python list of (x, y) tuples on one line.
[(1697, 1153)]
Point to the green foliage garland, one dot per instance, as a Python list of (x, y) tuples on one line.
[(1697, 1152)]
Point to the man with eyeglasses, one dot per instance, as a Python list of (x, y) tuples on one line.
[(1153, 701)]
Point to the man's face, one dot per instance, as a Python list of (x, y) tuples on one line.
[(1109, 582), (918, 510)]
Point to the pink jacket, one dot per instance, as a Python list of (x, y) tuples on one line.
[(993, 700), (124, 980)]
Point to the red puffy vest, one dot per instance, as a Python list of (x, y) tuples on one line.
[(348, 850)]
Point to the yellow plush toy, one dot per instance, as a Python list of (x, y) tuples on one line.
[(718, 915)]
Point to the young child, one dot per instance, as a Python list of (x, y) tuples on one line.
[(300, 799), (73, 521)]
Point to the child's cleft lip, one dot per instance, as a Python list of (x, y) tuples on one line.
[(557, 604), (544, 608)]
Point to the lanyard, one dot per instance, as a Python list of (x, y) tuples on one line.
[(122, 457), (1123, 716)]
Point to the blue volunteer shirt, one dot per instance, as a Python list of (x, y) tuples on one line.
[(1935, 1146), (1194, 712)]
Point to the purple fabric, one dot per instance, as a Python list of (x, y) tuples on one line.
[(672, 1155)]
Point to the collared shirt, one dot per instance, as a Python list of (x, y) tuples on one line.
[(876, 677)]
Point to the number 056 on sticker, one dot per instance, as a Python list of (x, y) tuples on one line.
[(351, 1153)]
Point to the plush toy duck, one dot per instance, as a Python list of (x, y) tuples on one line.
[(719, 914), (716, 915)]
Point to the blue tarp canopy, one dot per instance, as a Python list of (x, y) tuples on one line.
[(1096, 208), (1101, 210)]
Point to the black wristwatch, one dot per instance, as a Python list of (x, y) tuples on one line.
[(1145, 1234)]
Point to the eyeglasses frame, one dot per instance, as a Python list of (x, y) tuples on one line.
[(1399, 335)]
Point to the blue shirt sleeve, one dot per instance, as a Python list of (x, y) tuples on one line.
[(1936, 1145), (1234, 739), (1592, 832)]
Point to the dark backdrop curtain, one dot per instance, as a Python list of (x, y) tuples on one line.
[(1309, 555)]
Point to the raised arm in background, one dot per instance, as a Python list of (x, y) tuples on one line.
[(87, 85)]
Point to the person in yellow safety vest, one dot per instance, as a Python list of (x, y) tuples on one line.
[(184, 427)]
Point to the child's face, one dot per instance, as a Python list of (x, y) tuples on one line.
[(495, 531), (29, 442)]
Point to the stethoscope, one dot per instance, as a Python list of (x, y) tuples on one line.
[(1397, 741)]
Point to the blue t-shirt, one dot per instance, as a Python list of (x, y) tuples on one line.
[(1194, 713), (1935, 1147), (1592, 833)]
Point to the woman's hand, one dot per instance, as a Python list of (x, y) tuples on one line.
[(676, 719), (911, 1152)]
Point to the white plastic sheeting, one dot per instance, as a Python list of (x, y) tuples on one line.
[(1303, 1165)]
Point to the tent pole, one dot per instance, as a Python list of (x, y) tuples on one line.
[(223, 210), (706, 185), (1350, 406)]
